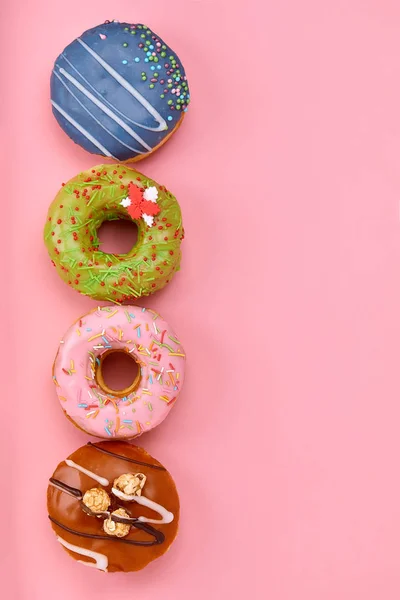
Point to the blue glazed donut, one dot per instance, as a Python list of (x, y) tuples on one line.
[(119, 91)]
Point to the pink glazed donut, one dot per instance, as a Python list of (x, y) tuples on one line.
[(85, 397)]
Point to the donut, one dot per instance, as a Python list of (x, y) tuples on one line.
[(113, 507), (111, 192), (85, 397), (119, 90)]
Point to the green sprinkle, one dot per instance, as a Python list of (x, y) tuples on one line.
[(125, 45), (163, 345)]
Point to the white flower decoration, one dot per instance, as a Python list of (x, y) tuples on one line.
[(148, 219), (125, 202), (151, 193)]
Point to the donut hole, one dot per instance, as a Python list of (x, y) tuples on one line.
[(118, 373), (118, 236)]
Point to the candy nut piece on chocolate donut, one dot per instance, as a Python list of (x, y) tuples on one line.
[(124, 532)]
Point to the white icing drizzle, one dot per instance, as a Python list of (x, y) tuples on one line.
[(101, 480), (166, 516), (162, 125), (114, 108), (99, 123), (82, 130), (101, 559), (103, 108)]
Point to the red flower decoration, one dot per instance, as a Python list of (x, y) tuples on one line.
[(139, 206)]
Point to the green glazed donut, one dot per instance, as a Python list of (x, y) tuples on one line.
[(110, 192)]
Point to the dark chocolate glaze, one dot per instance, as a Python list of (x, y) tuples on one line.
[(67, 488), (158, 539), (136, 462)]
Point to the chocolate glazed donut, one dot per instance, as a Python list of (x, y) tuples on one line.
[(113, 506)]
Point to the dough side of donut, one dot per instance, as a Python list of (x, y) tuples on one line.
[(162, 143)]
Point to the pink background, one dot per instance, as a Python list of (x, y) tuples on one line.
[(285, 442)]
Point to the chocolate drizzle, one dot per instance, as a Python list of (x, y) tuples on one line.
[(66, 488), (86, 509), (131, 460), (134, 521), (157, 535)]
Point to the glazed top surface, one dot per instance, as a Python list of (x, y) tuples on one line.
[(71, 235), (149, 340), (118, 90), (65, 510)]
